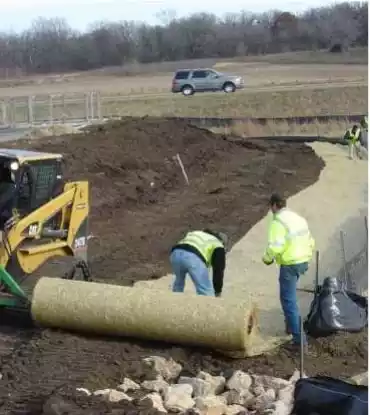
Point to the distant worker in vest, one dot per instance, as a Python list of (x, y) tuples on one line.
[(364, 132), (194, 255), (291, 246), (352, 136), (363, 123)]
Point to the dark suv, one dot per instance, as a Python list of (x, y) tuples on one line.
[(189, 81)]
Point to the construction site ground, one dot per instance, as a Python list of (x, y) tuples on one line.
[(141, 205)]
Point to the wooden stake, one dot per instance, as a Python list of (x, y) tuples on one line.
[(182, 168)]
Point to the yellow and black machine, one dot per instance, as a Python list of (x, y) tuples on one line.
[(41, 217)]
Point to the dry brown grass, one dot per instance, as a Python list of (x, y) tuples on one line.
[(331, 128), (264, 71), (286, 103)]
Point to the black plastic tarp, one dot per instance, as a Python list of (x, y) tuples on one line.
[(321, 395), (334, 309)]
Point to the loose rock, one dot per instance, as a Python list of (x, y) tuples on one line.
[(200, 386), (158, 385), (234, 397), (270, 382), (178, 398), (128, 385), (155, 400), (258, 390), (239, 381), (264, 401), (167, 368), (84, 391), (112, 395), (217, 382), (279, 408), (236, 410), (211, 405), (286, 395)]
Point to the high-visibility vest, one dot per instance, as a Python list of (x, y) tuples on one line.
[(290, 241), (364, 122), (353, 137), (203, 242)]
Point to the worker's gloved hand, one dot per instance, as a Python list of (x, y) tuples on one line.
[(267, 261)]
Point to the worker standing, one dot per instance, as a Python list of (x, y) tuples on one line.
[(291, 246), (194, 255), (364, 132), (352, 136)]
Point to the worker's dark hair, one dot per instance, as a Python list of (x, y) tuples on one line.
[(355, 127), (277, 200)]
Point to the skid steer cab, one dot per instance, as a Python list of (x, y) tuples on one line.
[(41, 216)]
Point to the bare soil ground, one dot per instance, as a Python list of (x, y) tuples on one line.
[(136, 224)]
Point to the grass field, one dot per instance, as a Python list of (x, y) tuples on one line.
[(288, 103), (284, 85)]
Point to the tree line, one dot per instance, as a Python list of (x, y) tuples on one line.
[(51, 45)]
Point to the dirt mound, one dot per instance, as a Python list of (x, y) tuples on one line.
[(135, 225)]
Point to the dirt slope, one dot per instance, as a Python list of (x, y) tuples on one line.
[(135, 224)]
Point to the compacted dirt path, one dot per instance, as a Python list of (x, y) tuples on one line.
[(140, 206)]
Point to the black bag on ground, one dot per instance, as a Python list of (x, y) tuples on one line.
[(321, 395), (334, 309)]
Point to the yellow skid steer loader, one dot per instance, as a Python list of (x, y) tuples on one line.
[(41, 217)]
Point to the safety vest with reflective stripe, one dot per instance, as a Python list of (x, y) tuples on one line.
[(363, 122), (353, 137), (203, 242), (289, 241)]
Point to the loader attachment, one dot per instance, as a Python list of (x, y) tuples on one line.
[(11, 294)]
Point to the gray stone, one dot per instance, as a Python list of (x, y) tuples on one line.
[(286, 395), (128, 385), (84, 391), (262, 402), (112, 395), (235, 397), (211, 404), (157, 385), (239, 381), (217, 382), (155, 400), (279, 408), (178, 398), (167, 368), (270, 382), (236, 410)]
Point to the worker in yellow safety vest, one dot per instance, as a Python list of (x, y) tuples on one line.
[(352, 136), (194, 255), (291, 246), (363, 123)]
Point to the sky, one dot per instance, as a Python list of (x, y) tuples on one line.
[(17, 15)]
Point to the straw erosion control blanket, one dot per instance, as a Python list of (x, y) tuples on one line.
[(135, 224)]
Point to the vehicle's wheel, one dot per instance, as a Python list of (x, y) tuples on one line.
[(187, 90), (228, 87)]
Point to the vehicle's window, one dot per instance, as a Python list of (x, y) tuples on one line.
[(182, 75), (200, 74)]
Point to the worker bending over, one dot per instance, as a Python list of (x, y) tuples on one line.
[(291, 246), (352, 136), (194, 255)]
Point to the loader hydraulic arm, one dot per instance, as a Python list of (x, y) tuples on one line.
[(56, 228)]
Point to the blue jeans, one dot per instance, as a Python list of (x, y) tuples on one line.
[(184, 262), (288, 278)]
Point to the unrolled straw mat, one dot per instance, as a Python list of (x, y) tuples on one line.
[(142, 313)]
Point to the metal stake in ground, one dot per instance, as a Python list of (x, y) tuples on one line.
[(178, 158), (302, 349), (344, 259)]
